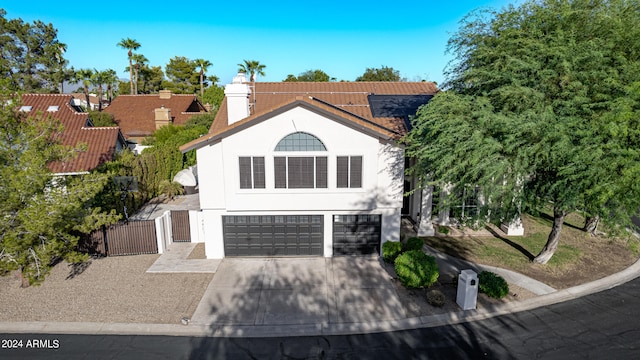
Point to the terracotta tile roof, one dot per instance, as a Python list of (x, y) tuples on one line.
[(101, 141), (136, 117), (346, 100)]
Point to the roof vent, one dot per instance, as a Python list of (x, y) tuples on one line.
[(26, 108), (53, 108)]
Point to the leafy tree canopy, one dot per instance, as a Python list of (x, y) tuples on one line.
[(213, 96), (543, 107), (184, 78), (310, 76), (102, 119), (42, 215), (380, 74), (31, 55)]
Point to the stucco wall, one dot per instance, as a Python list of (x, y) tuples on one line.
[(220, 193)]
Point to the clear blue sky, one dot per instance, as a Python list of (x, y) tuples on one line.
[(342, 38)]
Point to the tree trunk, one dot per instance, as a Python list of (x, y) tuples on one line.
[(591, 225), (201, 85), (100, 98), (130, 73), (136, 82), (554, 237), (86, 96)]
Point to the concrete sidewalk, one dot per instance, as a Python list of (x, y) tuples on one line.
[(268, 297)]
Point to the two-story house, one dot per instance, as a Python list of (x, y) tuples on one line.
[(306, 169)]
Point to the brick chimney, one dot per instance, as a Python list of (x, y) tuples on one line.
[(237, 94), (165, 94), (163, 116)]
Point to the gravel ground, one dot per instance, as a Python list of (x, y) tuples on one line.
[(112, 290), (118, 289)]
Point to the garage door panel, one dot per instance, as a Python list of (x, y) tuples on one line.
[(356, 234), (278, 235)]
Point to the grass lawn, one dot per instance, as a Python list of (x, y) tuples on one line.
[(579, 258)]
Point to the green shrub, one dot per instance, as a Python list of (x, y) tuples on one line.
[(170, 188), (493, 285), (443, 230), (415, 269), (435, 298), (414, 243), (391, 250)]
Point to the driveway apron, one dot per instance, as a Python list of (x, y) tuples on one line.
[(298, 291)]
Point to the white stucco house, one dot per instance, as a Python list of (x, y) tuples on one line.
[(308, 169)]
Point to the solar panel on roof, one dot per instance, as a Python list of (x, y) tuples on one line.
[(396, 105)]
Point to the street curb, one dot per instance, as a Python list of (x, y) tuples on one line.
[(324, 329)]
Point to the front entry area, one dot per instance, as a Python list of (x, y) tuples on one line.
[(356, 234), (273, 235)]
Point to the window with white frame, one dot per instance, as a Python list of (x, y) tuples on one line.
[(467, 206), (300, 172), (252, 172), (349, 171)]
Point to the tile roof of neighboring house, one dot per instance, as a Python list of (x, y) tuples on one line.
[(100, 141), (346, 100), (136, 117)]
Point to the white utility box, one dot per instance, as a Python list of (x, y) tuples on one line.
[(467, 290)]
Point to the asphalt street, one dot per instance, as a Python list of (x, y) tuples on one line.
[(598, 326)]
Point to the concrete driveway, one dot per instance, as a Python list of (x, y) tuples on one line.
[(299, 291)]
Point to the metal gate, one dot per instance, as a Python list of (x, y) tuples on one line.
[(180, 226), (124, 238)]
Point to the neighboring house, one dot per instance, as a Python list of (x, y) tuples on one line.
[(140, 115), (80, 100), (308, 169), (102, 143)]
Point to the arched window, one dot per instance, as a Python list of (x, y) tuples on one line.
[(300, 141)]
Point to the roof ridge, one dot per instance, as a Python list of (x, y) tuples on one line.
[(355, 115), (155, 95)]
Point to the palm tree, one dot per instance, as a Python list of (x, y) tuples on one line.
[(111, 77), (85, 76), (60, 65), (203, 65), (140, 60), (131, 45), (253, 68), (99, 78)]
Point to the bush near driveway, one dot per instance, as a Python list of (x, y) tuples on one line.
[(391, 250), (415, 269), (493, 285)]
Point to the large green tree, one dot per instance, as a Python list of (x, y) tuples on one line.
[(30, 55), (183, 76), (42, 215), (130, 45), (384, 73), (541, 108), (150, 79), (213, 95)]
